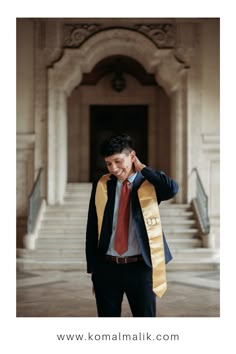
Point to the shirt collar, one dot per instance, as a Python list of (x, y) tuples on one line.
[(130, 178)]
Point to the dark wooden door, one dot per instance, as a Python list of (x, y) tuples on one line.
[(111, 119)]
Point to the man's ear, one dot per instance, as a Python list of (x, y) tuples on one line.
[(133, 155)]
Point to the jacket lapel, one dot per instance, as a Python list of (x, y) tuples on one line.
[(111, 193), (137, 182)]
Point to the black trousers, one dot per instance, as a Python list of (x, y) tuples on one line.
[(111, 281)]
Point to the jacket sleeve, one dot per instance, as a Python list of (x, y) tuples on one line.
[(91, 232), (166, 188)]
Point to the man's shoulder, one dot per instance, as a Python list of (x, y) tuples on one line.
[(105, 178)]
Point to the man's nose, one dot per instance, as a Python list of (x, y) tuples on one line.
[(113, 168)]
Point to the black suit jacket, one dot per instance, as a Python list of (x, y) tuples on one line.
[(165, 187)]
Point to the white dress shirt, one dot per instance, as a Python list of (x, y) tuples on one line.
[(133, 248)]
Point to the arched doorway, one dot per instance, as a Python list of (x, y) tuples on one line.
[(67, 74), (141, 109)]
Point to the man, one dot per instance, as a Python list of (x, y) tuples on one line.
[(126, 249)]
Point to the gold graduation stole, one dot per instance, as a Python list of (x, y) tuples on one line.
[(151, 215), (101, 200)]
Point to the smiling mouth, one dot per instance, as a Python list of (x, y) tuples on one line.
[(119, 174)]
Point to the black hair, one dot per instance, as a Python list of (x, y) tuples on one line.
[(116, 144)]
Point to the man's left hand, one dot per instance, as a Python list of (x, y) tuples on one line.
[(138, 165)]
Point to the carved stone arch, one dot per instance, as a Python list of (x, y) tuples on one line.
[(119, 41), (67, 73)]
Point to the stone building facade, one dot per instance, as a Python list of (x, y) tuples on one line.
[(77, 78)]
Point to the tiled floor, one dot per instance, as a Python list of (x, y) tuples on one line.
[(68, 294)]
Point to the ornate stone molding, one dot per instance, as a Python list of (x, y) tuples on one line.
[(51, 55), (163, 35), (169, 70), (66, 73), (113, 41), (187, 41), (75, 34)]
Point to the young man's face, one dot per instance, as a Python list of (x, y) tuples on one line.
[(121, 165)]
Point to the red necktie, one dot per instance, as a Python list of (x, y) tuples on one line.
[(122, 226)]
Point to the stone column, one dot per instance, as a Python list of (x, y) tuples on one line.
[(40, 105), (177, 144), (51, 185), (61, 145), (61, 81), (47, 51), (57, 146), (171, 74), (179, 140)]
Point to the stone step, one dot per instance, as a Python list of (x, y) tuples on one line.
[(56, 254), (62, 233), (80, 265), (75, 209), (76, 232), (184, 224), (61, 242), (188, 255), (31, 265), (70, 242), (194, 265), (65, 218), (82, 205), (58, 224), (75, 223), (59, 245), (81, 216), (83, 199), (55, 240), (181, 233), (62, 236), (175, 213), (184, 243), (177, 219), (65, 213), (69, 221), (173, 206), (66, 208), (195, 254)]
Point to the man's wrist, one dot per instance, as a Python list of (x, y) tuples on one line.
[(140, 167)]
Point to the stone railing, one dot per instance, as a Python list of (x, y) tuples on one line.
[(35, 211), (200, 203), (34, 203)]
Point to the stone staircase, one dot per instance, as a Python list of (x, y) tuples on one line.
[(61, 241)]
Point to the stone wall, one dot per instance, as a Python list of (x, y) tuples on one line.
[(25, 113), (188, 70)]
